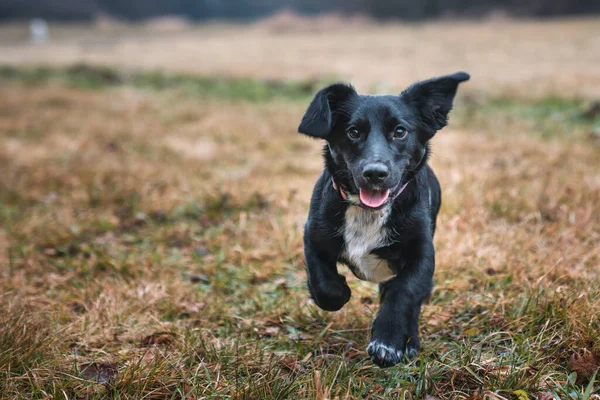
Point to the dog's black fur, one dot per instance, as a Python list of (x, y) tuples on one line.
[(378, 143)]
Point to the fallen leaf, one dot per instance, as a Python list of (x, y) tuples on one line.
[(271, 331), (521, 394), (193, 307), (584, 365), (431, 398), (546, 396), (376, 389), (158, 338), (291, 363), (295, 334), (473, 396), (280, 282), (439, 318), (102, 373), (471, 332), (321, 392)]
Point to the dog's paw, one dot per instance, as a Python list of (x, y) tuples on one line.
[(384, 355), (387, 355), (411, 351), (331, 295)]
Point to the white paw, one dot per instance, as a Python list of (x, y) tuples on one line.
[(383, 354)]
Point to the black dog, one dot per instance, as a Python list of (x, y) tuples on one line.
[(375, 205)]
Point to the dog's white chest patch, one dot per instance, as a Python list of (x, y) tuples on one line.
[(365, 231)]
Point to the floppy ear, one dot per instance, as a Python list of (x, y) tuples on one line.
[(319, 118), (433, 98)]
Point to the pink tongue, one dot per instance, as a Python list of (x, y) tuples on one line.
[(373, 198)]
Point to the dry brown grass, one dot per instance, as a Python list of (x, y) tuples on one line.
[(530, 57), (150, 241)]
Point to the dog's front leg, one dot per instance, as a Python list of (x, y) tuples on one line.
[(395, 332), (327, 288)]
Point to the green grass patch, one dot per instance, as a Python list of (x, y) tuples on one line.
[(95, 77), (546, 116)]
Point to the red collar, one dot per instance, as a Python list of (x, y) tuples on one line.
[(339, 188)]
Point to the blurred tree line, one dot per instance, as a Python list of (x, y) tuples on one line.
[(252, 9)]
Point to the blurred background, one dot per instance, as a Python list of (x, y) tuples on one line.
[(153, 191), (548, 45), (201, 10)]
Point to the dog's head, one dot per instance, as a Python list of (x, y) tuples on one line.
[(376, 143)]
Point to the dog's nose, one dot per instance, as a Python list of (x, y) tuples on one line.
[(376, 172)]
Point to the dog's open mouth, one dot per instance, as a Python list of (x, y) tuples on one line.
[(373, 198)]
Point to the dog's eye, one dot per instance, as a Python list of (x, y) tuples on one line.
[(353, 133), (399, 132)]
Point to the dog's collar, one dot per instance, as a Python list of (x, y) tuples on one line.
[(340, 188), (346, 195)]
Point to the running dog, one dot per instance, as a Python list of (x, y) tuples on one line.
[(375, 205)]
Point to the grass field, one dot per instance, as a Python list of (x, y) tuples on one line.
[(151, 238)]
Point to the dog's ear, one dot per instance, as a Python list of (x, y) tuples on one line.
[(328, 104), (433, 98)]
